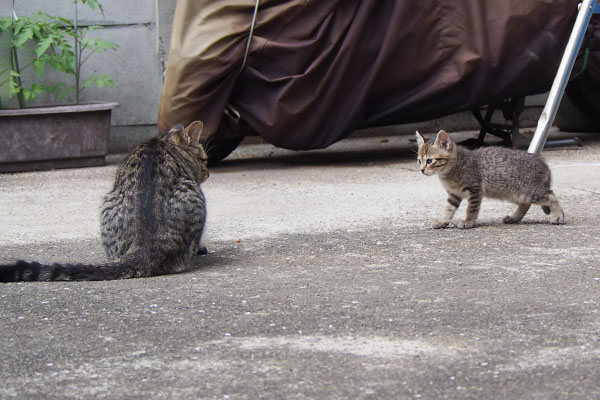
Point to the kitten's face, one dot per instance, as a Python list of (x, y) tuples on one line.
[(433, 157)]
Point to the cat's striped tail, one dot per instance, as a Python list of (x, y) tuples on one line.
[(34, 271)]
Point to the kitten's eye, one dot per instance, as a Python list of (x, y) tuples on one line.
[(419, 162), (429, 161)]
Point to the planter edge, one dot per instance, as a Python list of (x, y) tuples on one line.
[(59, 109)]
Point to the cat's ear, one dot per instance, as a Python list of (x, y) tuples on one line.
[(443, 140), (193, 132), (176, 128), (420, 138)]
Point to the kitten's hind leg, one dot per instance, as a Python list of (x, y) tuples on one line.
[(557, 215), (517, 215)]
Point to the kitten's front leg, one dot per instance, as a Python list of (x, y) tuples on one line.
[(452, 205), (472, 211)]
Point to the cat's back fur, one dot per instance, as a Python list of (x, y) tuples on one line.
[(151, 221), (502, 173)]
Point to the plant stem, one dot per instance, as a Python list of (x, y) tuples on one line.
[(14, 60), (77, 66)]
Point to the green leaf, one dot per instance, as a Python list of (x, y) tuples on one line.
[(66, 21), (23, 37), (37, 31), (39, 66), (61, 88), (44, 45), (99, 80), (61, 63), (27, 95), (31, 93), (91, 28), (13, 88), (92, 4), (5, 24), (17, 25), (38, 88), (96, 45), (89, 81)]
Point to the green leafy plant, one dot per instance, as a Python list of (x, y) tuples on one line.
[(46, 41)]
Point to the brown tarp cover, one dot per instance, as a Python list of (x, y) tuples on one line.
[(319, 69)]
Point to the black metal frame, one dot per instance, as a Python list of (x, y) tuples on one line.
[(509, 132)]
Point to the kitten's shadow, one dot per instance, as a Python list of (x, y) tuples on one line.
[(499, 224)]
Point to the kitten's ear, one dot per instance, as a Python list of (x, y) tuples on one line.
[(193, 132), (443, 140), (420, 138)]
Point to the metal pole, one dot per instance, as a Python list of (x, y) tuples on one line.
[(562, 76), (250, 34)]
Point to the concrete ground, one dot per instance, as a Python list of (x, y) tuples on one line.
[(323, 280)]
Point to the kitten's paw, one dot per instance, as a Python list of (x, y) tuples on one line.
[(465, 224), (510, 220), (558, 220), (439, 224)]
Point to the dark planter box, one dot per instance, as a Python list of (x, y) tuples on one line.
[(54, 137)]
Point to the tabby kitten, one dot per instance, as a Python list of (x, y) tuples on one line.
[(152, 219), (495, 172)]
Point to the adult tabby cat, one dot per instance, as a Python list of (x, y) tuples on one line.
[(495, 172), (151, 221)]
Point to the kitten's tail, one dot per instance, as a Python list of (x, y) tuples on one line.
[(127, 267)]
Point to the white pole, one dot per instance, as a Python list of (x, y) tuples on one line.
[(562, 76)]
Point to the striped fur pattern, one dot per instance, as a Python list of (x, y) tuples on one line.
[(495, 172), (151, 221)]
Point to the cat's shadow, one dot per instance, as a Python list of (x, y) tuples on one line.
[(215, 258), (492, 224)]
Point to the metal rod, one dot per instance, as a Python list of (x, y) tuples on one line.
[(250, 34), (562, 77), (563, 142)]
